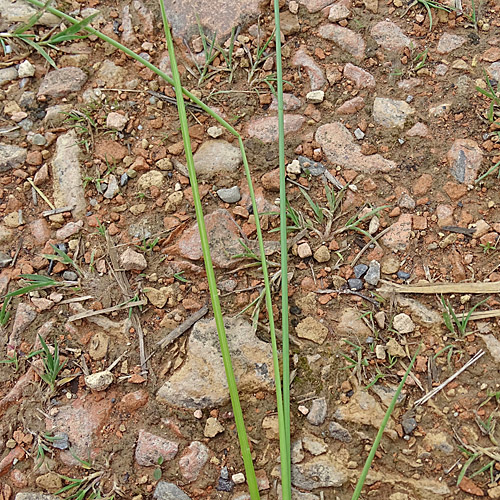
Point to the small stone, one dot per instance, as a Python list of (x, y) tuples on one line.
[(402, 323), (390, 112), (340, 433), (355, 284), (359, 134), (348, 40), (418, 130), (361, 78), (238, 478), (380, 319), (374, 225), (271, 426), (99, 381), (70, 276), (390, 37), (398, 237), (294, 168), (26, 69), (393, 348), (116, 121), (133, 261), (192, 461), (322, 254), (168, 491), (61, 82), (360, 270), (373, 274), (7, 75), (266, 129), (214, 132), (150, 448), (449, 42), (11, 156), (317, 413), (338, 12), (314, 445), (150, 179), (380, 352), (311, 329), (351, 106), (50, 482), (465, 158), (231, 195), (315, 96), (403, 275), (409, 424), (314, 72), (113, 189), (212, 428), (304, 251)]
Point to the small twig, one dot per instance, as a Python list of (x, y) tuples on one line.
[(16, 255), (116, 361), (432, 393), (415, 379), (55, 211), (183, 327), (439, 288), (306, 188), (44, 198), (76, 299)]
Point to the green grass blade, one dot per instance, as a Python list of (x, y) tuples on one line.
[(70, 32), (231, 381), (378, 438), (39, 49), (285, 460)]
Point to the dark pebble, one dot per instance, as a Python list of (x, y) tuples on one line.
[(360, 270), (123, 180), (314, 168), (61, 441), (402, 275), (409, 425), (355, 284), (296, 311)]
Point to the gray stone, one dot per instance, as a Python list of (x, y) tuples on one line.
[(217, 157), (320, 472), (341, 149), (315, 96), (338, 12), (61, 82), (373, 274), (390, 112), (390, 37), (360, 270), (7, 74), (449, 42), (493, 71), (402, 323), (201, 382), (113, 187), (355, 284), (409, 424), (230, 195), (111, 74), (56, 115), (338, 432), (11, 156), (19, 11), (314, 445), (67, 174), (151, 447), (317, 413), (310, 167), (439, 441), (169, 491), (359, 134), (350, 323), (420, 312), (70, 276), (386, 394)]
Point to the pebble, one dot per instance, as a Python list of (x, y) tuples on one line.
[(315, 96), (99, 381), (311, 329), (70, 276), (409, 424), (360, 270), (403, 275), (322, 254), (314, 72), (294, 168), (304, 250), (212, 427), (355, 284), (150, 448), (390, 37), (465, 158), (61, 82), (133, 261), (124, 179), (26, 69), (224, 483), (266, 129), (317, 413), (230, 195), (113, 188), (150, 179), (402, 323), (116, 121), (214, 132), (7, 75), (361, 78), (338, 12), (168, 491), (391, 112), (359, 134), (380, 351), (393, 348), (238, 478), (310, 167), (373, 274), (11, 156), (348, 40), (337, 431), (192, 461), (449, 42)]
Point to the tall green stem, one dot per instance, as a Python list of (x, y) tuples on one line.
[(283, 243)]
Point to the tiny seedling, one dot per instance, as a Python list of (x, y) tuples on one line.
[(420, 59), (180, 277), (487, 246), (157, 471), (260, 57), (63, 257), (467, 464), (357, 362), (52, 364), (494, 97), (148, 245), (86, 488), (451, 319), (14, 361)]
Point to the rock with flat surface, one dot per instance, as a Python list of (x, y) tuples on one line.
[(320, 472), (217, 157), (67, 174), (11, 156), (61, 82), (465, 158), (449, 42), (223, 236), (391, 112), (19, 11), (151, 447), (390, 37), (339, 147), (169, 491), (266, 129), (316, 76), (201, 381), (133, 261), (8, 74), (311, 329), (315, 5), (398, 236), (346, 39), (350, 323), (361, 78)]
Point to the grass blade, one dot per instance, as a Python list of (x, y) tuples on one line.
[(378, 438), (231, 381)]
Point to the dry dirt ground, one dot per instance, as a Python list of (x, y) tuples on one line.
[(393, 154)]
